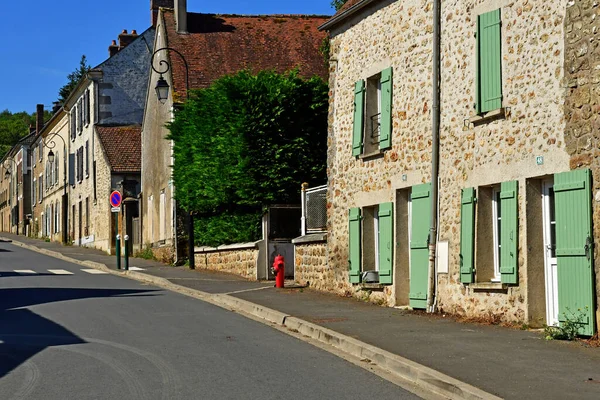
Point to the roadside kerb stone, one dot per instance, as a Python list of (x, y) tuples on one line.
[(419, 374), (423, 376)]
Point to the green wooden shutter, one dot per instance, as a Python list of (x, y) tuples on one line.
[(467, 235), (509, 232), (489, 66), (354, 244), (419, 245), (359, 108), (385, 127), (386, 240), (574, 248)]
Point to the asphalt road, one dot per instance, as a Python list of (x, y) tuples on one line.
[(67, 332)]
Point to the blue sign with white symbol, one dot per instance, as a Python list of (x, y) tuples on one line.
[(115, 199)]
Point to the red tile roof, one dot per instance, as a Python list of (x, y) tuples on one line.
[(123, 147), (219, 45), (349, 3)]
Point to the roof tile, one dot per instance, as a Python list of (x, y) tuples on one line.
[(123, 147), (219, 45)]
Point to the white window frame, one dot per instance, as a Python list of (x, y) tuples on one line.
[(151, 217), (496, 217), (162, 229)]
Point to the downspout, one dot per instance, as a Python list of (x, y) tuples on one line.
[(435, 156)]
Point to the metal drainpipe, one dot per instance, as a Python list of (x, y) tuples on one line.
[(435, 144)]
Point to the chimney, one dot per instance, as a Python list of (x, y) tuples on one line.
[(125, 39), (155, 5), (55, 106), (181, 15), (113, 48), (39, 118)]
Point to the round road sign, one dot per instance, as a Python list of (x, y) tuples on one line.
[(115, 199)]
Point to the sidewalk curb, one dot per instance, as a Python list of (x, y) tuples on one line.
[(425, 377)]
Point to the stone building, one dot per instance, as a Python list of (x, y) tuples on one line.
[(110, 99), (212, 46), (518, 163)]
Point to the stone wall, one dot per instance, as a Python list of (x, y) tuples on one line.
[(239, 261), (582, 106), (311, 267)]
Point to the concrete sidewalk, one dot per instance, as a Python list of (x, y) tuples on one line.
[(504, 362)]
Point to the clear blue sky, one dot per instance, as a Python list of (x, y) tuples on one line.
[(44, 40)]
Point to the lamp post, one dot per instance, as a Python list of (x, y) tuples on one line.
[(8, 174), (64, 202), (162, 93)]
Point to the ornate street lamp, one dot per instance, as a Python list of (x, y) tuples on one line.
[(162, 86), (162, 93)]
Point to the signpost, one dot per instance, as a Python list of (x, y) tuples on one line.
[(115, 202)]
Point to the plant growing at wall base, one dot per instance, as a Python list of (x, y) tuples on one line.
[(246, 142), (568, 328)]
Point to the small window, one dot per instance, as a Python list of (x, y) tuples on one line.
[(373, 114), (372, 125), (497, 227), (87, 159)]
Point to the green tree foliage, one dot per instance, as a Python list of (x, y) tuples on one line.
[(73, 80), (245, 142), (337, 4), (12, 128)]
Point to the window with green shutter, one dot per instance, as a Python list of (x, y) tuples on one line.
[(371, 239), (372, 125), (489, 62)]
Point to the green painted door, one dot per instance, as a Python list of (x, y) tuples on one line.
[(419, 251), (574, 248)]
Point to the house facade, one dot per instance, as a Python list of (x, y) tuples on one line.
[(517, 219), (50, 184), (209, 47), (111, 96)]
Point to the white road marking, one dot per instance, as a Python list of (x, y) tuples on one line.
[(25, 271), (136, 269), (94, 271), (60, 272)]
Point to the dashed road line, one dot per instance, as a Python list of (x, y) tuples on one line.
[(136, 269), (25, 271), (94, 271), (60, 272)]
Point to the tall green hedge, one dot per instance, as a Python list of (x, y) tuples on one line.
[(246, 142)]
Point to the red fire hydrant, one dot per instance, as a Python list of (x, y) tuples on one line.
[(279, 271)]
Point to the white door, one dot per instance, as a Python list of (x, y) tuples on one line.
[(550, 252)]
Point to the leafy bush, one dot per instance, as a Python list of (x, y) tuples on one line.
[(243, 143), (568, 329)]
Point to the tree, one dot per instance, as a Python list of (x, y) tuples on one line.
[(15, 126), (337, 4), (73, 80), (246, 142), (12, 128)]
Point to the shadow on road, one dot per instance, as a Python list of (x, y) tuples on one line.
[(24, 333)]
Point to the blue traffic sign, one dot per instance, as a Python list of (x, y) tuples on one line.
[(115, 199)]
